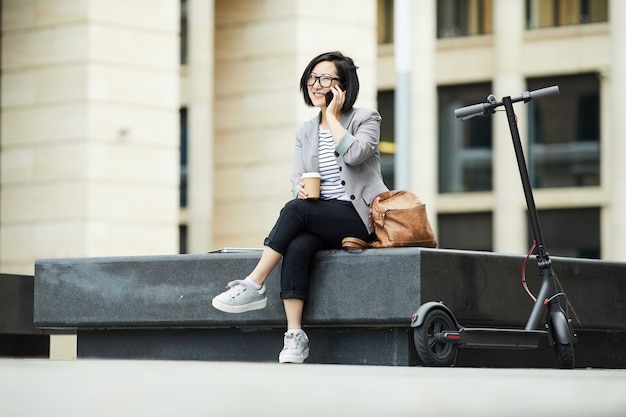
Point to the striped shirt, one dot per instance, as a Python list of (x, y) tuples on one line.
[(329, 170)]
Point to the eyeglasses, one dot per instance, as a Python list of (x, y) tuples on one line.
[(325, 80)]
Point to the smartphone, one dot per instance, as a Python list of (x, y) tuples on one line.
[(329, 98), (329, 95)]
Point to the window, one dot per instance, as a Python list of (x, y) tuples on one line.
[(183, 157), (560, 236), (183, 32), (385, 21), (386, 106), (463, 18), (465, 231), (182, 238), (549, 13), (564, 132), (464, 146)]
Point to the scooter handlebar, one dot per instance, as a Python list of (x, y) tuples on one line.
[(488, 108), (544, 92), (473, 110)]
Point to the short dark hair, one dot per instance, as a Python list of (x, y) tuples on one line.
[(346, 71)]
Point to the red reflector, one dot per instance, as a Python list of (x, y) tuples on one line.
[(453, 336)]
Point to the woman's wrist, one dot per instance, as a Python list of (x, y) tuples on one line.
[(335, 127)]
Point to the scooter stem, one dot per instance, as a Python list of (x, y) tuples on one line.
[(542, 255), (548, 287)]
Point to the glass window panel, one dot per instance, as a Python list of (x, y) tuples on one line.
[(564, 132), (385, 21), (465, 231), (182, 239), (571, 232), (568, 12), (183, 157), (549, 13), (463, 17), (464, 146), (594, 11), (183, 32), (386, 108)]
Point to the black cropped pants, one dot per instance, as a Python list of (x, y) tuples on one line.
[(304, 227)]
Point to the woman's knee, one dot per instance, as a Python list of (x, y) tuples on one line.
[(295, 206), (304, 245)]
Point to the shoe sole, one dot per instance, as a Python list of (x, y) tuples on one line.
[(255, 305), (292, 358)]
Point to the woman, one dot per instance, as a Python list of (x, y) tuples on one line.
[(341, 143)]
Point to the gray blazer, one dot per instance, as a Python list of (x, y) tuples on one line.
[(357, 155)]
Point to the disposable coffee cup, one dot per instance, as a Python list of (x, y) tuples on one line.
[(311, 182)]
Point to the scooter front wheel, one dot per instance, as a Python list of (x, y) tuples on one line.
[(565, 353), (430, 346), (562, 337)]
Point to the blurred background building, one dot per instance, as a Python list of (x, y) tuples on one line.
[(142, 127)]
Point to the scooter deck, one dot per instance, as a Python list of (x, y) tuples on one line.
[(496, 338)]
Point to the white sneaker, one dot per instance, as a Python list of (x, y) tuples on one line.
[(239, 298), (295, 349)]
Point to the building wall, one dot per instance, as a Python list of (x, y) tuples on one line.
[(89, 117)]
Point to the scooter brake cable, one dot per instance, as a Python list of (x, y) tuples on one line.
[(568, 304), (532, 248)]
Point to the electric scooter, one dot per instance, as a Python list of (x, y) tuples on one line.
[(438, 335)]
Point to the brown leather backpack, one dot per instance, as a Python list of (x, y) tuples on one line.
[(400, 219)]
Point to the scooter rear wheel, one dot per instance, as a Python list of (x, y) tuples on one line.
[(431, 348)]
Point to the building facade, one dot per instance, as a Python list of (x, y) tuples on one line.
[(142, 127)]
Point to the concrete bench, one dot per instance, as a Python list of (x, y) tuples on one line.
[(358, 312)]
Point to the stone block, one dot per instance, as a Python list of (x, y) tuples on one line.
[(113, 123), (347, 345), (44, 125), (18, 14), (176, 290), (44, 86), (142, 48), (130, 85), (358, 311), (45, 46), (44, 202), (381, 286), (145, 15)]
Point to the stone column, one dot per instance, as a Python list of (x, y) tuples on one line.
[(200, 92), (510, 221), (614, 218), (424, 110), (89, 129), (89, 132)]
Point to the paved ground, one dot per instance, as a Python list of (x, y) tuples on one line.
[(93, 388)]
